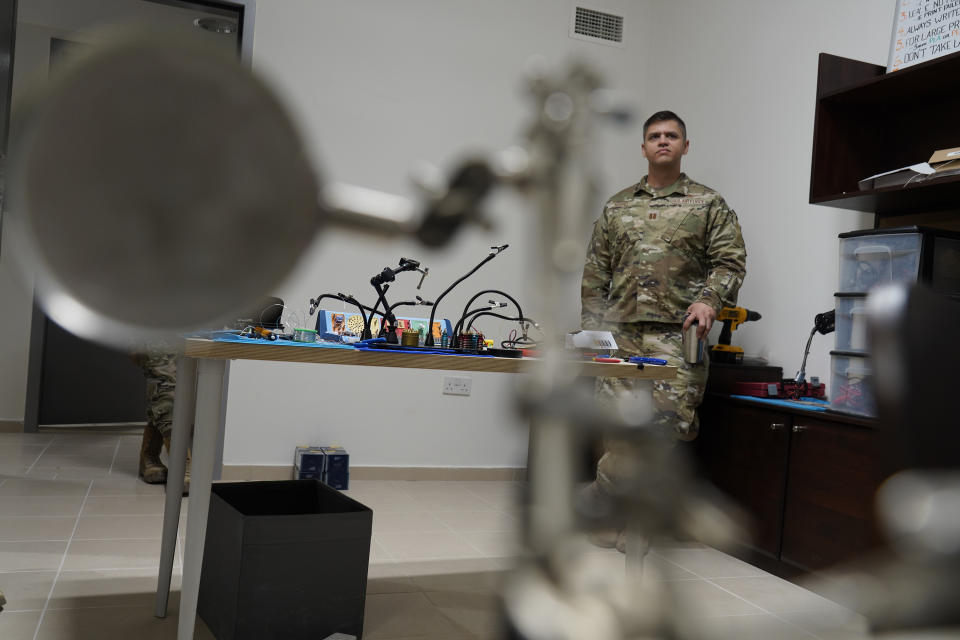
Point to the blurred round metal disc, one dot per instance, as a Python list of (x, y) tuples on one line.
[(157, 188)]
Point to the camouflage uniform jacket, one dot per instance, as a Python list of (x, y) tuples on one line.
[(655, 251)]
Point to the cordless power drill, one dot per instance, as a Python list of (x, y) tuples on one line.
[(731, 317)]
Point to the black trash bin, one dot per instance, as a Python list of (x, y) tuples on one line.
[(285, 559)]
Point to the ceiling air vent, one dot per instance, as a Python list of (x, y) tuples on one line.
[(596, 26)]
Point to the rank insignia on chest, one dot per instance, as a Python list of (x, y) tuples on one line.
[(652, 215)]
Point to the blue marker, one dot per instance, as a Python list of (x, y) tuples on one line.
[(646, 360)]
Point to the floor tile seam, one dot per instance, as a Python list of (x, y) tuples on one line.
[(113, 460), (477, 549), (790, 623), (462, 531), (383, 548), (153, 567), (63, 561), (7, 609), (13, 517), (677, 564), (482, 499), (125, 539), (145, 605), (3, 540), (795, 626), (709, 581), (6, 571), (39, 455), (738, 615), (460, 535), (115, 515), (739, 597)]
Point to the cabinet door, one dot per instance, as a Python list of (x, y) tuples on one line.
[(835, 470), (743, 452)]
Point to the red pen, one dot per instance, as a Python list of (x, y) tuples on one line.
[(598, 359)]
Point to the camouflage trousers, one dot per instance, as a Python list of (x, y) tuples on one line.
[(675, 400), (161, 371)]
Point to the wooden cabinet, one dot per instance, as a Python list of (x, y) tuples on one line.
[(807, 480), (868, 122), (746, 458), (834, 472)]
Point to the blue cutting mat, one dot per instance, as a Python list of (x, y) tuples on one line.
[(818, 405)]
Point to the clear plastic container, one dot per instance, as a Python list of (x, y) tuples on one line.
[(851, 386), (851, 322), (870, 260)]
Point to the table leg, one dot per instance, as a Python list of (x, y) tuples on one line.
[(184, 408), (637, 548), (205, 435)]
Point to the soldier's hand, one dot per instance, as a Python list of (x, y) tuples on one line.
[(702, 314)]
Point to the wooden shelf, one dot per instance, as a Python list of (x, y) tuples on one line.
[(868, 122)]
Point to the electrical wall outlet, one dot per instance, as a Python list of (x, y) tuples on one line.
[(456, 386)]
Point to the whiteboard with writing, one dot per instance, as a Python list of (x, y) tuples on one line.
[(923, 30)]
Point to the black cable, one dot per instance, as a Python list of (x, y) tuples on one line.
[(498, 292), (496, 315), (457, 327), (315, 303), (512, 344), (386, 276), (493, 254)]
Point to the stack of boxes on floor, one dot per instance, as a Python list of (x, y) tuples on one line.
[(329, 465), (868, 259)]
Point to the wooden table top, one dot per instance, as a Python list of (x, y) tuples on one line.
[(199, 348)]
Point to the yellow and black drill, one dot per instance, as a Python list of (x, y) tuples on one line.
[(731, 317)]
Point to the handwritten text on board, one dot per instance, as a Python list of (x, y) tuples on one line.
[(924, 30)]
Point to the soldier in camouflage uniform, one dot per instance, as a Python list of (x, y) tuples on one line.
[(666, 252), (160, 369)]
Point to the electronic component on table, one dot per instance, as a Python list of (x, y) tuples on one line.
[(592, 340)]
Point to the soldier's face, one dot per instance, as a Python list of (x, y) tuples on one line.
[(664, 144)]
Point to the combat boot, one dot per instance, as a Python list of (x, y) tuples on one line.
[(152, 469)]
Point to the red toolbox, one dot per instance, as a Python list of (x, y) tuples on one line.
[(757, 389)]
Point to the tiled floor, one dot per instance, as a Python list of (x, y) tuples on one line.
[(80, 545)]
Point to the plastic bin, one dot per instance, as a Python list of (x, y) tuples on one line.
[(284, 559), (900, 254), (870, 260), (851, 322), (851, 386)]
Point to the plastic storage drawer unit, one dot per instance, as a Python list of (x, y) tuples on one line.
[(900, 254), (875, 259), (851, 322), (851, 387)]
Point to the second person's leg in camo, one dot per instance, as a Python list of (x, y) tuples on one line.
[(160, 369), (674, 402)]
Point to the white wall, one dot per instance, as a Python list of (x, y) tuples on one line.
[(378, 87), (743, 74)]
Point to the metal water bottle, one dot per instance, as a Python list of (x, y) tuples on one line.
[(692, 346)]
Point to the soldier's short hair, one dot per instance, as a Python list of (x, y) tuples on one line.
[(663, 116)]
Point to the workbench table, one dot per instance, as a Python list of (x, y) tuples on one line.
[(201, 399)]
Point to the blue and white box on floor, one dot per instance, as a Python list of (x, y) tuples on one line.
[(329, 465)]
